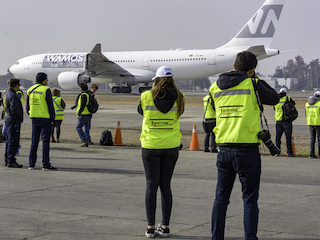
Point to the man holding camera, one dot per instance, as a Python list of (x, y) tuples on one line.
[(237, 129)]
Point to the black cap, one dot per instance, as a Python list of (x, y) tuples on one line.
[(41, 77)]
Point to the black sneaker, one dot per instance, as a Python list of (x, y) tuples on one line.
[(15, 165), (48, 168), (150, 233), (312, 157), (163, 232)]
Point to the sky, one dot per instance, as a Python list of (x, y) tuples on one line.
[(30, 27)]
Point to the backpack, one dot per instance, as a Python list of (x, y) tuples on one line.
[(106, 138), (93, 104), (290, 112)]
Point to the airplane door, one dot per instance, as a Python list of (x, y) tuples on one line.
[(145, 62), (211, 58), (26, 66)]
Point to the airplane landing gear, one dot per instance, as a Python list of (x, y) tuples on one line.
[(118, 89), (144, 87)]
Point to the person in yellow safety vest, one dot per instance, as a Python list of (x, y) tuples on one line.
[(237, 128), (313, 121), (59, 106), (161, 108), (281, 125), (210, 114), (40, 109), (83, 116)]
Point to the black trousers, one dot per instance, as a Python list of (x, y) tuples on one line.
[(286, 128), (159, 165), (56, 124)]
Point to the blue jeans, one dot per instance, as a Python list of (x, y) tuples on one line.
[(314, 131), (246, 162), (159, 166), (12, 141), (4, 130), (286, 128), (84, 121), (41, 126)]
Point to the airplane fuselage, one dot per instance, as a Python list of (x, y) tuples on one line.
[(185, 64)]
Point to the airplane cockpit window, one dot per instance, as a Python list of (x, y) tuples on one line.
[(17, 63)]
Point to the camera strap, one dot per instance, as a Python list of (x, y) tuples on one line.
[(259, 100)]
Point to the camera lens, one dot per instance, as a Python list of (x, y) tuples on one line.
[(266, 138)]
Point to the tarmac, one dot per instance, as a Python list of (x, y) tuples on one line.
[(98, 193)]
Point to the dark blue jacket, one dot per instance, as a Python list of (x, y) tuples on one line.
[(13, 107)]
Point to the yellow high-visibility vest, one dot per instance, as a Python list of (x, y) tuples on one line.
[(57, 108), (237, 113), (207, 104), (38, 107), (278, 114), (159, 130), (313, 114), (85, 110)]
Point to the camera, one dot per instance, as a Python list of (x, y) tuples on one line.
[(265, 136)]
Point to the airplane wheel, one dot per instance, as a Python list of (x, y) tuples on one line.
[(116, 90), (126, 89), (142, 89)]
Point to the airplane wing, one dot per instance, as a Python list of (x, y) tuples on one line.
[(98, 65)]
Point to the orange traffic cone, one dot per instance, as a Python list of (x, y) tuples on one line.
[(117, 137), (194, 145), (292, 144)]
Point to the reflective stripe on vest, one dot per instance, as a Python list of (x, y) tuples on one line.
[(237, 113), (38, 107), (278, 114), (209, 112), (85, 110), (57, 108), (313, 114), (159, 130)]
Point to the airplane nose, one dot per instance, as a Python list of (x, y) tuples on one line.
[(14, 69), (11, 69)]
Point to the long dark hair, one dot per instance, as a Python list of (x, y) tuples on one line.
[(165, 83)]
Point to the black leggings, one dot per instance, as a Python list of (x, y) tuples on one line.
[(56, 124), (159, 166)]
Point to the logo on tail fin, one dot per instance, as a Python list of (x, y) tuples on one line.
[(263, 23)]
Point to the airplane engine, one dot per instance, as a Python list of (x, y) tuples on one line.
[(69, 80)]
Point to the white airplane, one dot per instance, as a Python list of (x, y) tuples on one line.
[(124, 69)]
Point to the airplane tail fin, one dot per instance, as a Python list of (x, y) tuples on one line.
[(260, 29)]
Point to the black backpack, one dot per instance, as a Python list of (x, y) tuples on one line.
[(106, 138), (290, 112), (93, 104)]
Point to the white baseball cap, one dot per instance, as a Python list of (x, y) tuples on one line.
[(283, 90), (317, 93), (163, 71)]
